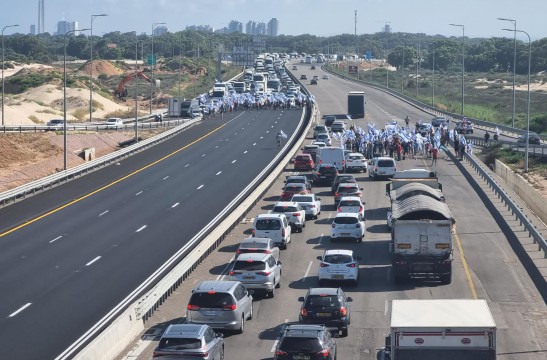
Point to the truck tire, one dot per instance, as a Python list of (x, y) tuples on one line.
[(446, 279), (345, 332)]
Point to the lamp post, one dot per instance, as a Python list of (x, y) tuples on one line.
[(433, 87), (64, 96), (4, 28), (136, 88), (514, 63), (527, 139), (463, 65), (153, 64), (91, 67)]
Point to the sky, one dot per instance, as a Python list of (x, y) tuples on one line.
[(296, 17)]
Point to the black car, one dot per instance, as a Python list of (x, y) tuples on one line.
[(342, 178), (311, 342), (533, 138), (313, 82), (329, 119), (328, 306), (313, 67), (324, 174), (298, 179)]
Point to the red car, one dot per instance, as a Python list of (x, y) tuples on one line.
[(304, 162), (292, 189)]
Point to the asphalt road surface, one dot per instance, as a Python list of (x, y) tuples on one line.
[(487, 264)]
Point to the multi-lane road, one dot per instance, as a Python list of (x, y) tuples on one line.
[(487, 263)]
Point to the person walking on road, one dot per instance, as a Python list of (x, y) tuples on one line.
[(434, 155)]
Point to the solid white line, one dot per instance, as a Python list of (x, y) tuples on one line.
[(141, 228), (92, 261), (165, 178), (175, 205), (320, 238), (245, 152), (224, 271), (57, 238), (308, 270), (137, 194), (199, 187), (104, 212), (234, 161), (186, 165), (20, 309), (274, 346), (218, 173)]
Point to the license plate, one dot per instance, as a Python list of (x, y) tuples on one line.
[(344, 234), (248, 277), (323, 177), (337, 276), (211, 313), (381, 172), (323, 314), (301, 357)]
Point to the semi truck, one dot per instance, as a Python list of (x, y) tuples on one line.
[(356, 104), (447, 329), (182, 108)]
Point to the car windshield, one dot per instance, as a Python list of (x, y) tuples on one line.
[(300, 344), (253, 245), (338, 259), (179, 344), (345, 220), (268, 224), (249, 265), (211, 299), (350, 203), (302, 158)]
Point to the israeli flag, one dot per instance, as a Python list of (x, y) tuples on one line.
[(283, 134)]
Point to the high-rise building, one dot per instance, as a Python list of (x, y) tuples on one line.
[(235, 26), (64, 26), (250, 27), (41, 7), (33, 29), (273, 27), (159, 30), (260, 29)]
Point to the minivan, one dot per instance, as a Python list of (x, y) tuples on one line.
[(220, 304), (273, 226)]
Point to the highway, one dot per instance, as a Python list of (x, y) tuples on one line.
[(70, 255), (487, 262)]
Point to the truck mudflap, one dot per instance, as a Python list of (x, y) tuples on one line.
[(422, 267)]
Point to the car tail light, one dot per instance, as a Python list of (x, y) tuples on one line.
[(324, 264), (324, 353), (232, 273), (343, 311), (253, 232), (229, 307), (280, 352), (263, 273), (352, 265), (304, 312), (376, 168), (339, 209), (360, 208), (296, 214), (238, 251), (312, 206), (337, 194), (283, 232), (267, 252), (193, 307)]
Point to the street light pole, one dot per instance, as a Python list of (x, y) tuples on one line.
[(527, 138), (64, 98), (136, 88), (153, 64), (4, 28), (91, 67), (463, 66), (433, 87), (514, 64)]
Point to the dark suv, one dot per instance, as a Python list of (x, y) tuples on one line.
[(342, 178), (324, 174), (305, 342), (328, 306)]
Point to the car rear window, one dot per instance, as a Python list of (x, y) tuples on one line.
[(249, 265), (300, 344), (180, 344), (253, 245), (356, 157), (302, 158), (268, 224), (284, 209), (302, 198), (291, 187), (328, 170), (350, 203), (322, 301), (211, 299), (385, 163), (337, 259), (345, 220)]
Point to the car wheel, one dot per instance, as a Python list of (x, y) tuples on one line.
[(345, 332), (222, 353), (241, 325), (360, 240), (315, 216), (271, 293), (279, 282), (251, 312)]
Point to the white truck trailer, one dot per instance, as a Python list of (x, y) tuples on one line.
[(440, 330)]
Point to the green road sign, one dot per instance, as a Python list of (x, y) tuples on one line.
[(151, 59)]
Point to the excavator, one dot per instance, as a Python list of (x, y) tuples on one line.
[(122, 91)]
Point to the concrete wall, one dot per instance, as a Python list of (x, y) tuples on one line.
[(536, 202)]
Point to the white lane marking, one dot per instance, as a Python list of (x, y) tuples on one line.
[(203, 155), (104, 212), (92, 261), (308, 270), (262, 137), (273, 126), (254, 144), (268, 131), (386, 307), (175, 205), (216, 147), (141, 228), (165, 178), (245, 152), (320, 238), (234, 161), (218, 173), (57, 238), (186, 165), (199, 187), (137, 194), (20, 309), (274, 346)]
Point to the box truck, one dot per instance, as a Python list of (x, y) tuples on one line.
[(356, 104)]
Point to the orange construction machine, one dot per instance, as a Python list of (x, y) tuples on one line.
[(122, 91)]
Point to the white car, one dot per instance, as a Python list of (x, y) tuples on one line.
[(338, 265), (349, 226), (391, 125), (351, 204), (325, 77), (319, 144), (310, 203), (295, 214), (114, 123), (382, 167), (356, 161), (324, 137)]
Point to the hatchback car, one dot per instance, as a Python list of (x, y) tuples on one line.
[(347, 189), (381, 167), (325, 77), (356, 161), (257, 271), (328, 306), (351, 204), (114, 123), (350, 226), (338, 126), (324, 138), (295, 214), (310, 203), (293, 188), (299, 179), (220, 304), (190, 341), (313, 67), (338, 265), (324, 174), (304, 162), (258, 245), (309, 342)]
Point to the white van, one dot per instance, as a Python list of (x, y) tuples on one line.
[(332, 155), (273, 226)]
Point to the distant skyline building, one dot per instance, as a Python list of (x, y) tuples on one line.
[(33, 29), (41, 7), (235, 26), (260, 28), (207, 28), (160, 30), (250, 28), (386, 28), (64, 26), (273, 27)]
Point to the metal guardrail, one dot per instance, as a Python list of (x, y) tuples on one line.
[(538, 150), (431, 109)]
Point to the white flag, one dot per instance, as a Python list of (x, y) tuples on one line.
[(283, 134)]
